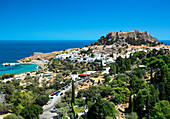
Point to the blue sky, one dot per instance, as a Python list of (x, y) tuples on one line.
[(81, 19)]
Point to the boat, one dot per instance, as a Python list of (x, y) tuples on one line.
[(12, 63), (6, 64)]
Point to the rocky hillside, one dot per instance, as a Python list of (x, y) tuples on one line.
[(123, 38)]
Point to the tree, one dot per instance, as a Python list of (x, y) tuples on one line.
[(155, 63), (61, 104), (164, 82), (62, 111), (32, 112), (81, 93), (121, 94), (64, 117), (5, 107), (131, 102), (92, 94), (80, 102), (18, 109), (161, 110), (24, 98), (151, 99), (139, 72), (160, 52), (5, 76), (139, 103), (9, 88), (13, 116), (107, 79), (136, 83), (140, 54), (73, 93), (132, 115), (101, 109), (67, 72), (112, 69), (42, 100), (59, 77), (71, 115), (105, 90)]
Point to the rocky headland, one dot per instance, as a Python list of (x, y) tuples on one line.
[(44, 56)]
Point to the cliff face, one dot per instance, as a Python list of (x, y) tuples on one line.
[(131, 37)]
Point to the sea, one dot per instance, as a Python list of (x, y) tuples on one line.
[(12, 50)]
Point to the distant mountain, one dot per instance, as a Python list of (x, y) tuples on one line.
[(123, 38)]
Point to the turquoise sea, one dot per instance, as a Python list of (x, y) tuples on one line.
[(12, 50), (17, 69)]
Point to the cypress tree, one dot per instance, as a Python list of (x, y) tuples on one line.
[(73, 93), (131, 102), (151, 76)]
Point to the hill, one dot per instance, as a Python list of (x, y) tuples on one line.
[(124, 38)]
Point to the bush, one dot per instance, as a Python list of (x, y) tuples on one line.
[(32, 112), (5, 107), (62, 111), (42, 100), (61, 104), (80, 102), (71, 115), (64, 117), (79, 109), (101, 109), (132, 115), (81, 93), (13, 116)]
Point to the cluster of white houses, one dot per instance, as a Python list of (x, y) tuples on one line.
[(74, 56)]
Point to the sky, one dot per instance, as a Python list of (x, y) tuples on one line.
[(81, 19)]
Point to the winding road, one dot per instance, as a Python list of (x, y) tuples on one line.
[(47, 114)]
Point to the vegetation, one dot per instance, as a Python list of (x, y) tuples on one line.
[(138, 42), (5, 107), (32, 112), (13, 116), (101, 109), (147, 90), (132, 115), (160, 110)]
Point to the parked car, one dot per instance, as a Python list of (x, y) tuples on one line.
[(61, 94), (52, 95), (53, 110)]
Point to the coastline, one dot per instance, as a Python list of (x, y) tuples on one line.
[(26, 61), (46, 56)]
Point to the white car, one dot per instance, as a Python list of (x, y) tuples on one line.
[(53, 110)]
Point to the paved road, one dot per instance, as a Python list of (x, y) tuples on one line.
[(46, 108)]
